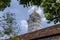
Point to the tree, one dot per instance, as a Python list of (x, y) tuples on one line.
[(14, 38), (4, 4), (8, 23), (51, 8)]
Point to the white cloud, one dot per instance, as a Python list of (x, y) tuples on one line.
[(37, 9), (24, 23), (40, 11), (24, 26), (32, 9), (43, 19)]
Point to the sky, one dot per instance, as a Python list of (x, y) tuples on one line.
[(22, 15)]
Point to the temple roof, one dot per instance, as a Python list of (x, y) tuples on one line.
[(52, 30)]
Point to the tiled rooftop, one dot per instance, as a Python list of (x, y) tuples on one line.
[(42, 33)]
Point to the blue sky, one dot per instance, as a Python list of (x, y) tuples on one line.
[(22, 15)]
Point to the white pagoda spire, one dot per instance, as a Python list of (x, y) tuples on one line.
[(34, 22)]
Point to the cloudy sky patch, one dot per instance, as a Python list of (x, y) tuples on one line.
[(22, 15)]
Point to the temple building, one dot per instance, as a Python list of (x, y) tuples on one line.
[(34, 22)]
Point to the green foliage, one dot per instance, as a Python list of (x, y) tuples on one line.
[(51, 8), (48, 16), (58, 1), (0, 33), (8, 31), (4, 4), (9, 26), (14, 38), (7, 23), (9, 20)]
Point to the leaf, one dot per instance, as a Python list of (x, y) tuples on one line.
[(48, 16), (48, 22), (51, 7), (9, 20), (4, 4), (58, 1), (8, 30)]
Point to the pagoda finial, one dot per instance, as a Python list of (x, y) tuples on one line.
[(35, 9)]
